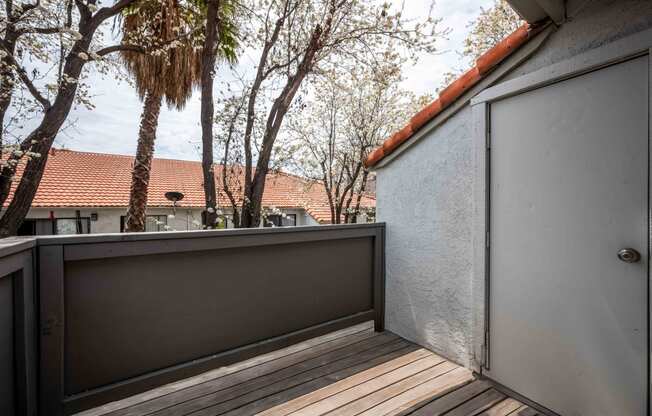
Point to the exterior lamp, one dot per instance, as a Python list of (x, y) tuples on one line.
[(174, 197)]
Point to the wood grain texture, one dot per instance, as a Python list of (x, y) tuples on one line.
[(479, 403), (223, 371), (504, 408), (347, 396), (434, 388), (230, 380), (395, 389), (352, 372), (307, 388), (252, 390), (528, 411), (323, 393), (452, 399)]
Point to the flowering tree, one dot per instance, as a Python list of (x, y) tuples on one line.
[(31, 29), (351, 113), (295, 40), (487, 30), (25, 29), (492, 26)]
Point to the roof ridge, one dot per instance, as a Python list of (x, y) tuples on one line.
[(83, 179), (483, 65), (118, 155)]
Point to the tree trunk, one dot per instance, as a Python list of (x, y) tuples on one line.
[(7, 80), (26, 190), (41, 138), (136, 215), (40, 141), (253, 196), (363, 188), (207, 113)]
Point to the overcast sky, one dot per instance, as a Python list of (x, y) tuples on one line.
[(113, 126)]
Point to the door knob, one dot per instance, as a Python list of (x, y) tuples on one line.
[(629, 255)]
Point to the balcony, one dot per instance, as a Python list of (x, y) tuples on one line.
[(239, 322)]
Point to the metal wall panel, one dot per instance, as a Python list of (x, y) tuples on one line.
[(569, 190), (128, 316)]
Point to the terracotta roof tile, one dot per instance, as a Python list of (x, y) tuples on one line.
[(81, 179), (455, 90)]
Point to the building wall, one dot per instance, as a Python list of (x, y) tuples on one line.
[(597, 23), (425, 196), (108, 219)]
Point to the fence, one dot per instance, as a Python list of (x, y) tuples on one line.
[(119, 314)]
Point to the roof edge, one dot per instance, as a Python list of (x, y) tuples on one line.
[(483, 65)]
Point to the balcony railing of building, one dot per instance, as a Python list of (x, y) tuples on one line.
[(85, 320)]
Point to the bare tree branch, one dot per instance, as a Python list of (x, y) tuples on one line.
[(25, 79)]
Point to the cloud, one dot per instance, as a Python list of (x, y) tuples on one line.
[(113, 126)]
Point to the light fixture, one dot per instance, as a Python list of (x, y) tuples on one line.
[(174, 197)]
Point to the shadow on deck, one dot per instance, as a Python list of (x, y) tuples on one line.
[(354, 371)]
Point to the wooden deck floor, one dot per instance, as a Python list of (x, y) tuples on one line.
[(350, 372)]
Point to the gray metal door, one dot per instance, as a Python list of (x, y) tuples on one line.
[(569, 189)]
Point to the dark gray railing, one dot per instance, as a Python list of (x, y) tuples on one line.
[(119, 314), (18, 373)]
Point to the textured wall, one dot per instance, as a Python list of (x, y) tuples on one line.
[(599, 22), (426, 198)]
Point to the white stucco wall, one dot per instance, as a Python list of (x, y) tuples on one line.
[(108, 219), (425, 196)]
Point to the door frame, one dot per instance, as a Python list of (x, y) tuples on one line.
[(619, 51)]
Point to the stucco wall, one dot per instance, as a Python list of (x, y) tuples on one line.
[(597, 23), (108, 219), (425, 196)]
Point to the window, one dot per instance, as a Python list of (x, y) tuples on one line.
[(152, 223), (68, 226), (290, 220), (36, 227)]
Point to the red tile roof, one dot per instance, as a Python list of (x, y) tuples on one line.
[(81, 179), (484, 64)]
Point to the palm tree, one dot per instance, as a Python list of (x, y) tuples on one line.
[(171, 72)]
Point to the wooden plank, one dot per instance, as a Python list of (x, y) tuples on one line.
[(392, 390), (365, 327), (242, 376), (284, 391), (521, 407), (252, 390), (452, 399), (379, 382), (504, 408), (313, 392), (478, 404), (307, 388), (528, 411), (427, 391)]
